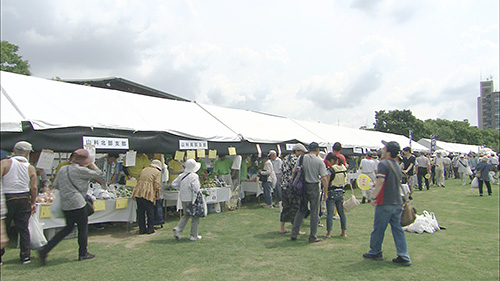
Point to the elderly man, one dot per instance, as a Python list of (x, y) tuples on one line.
[(314, 171), (388, 207), (19, 186), (439, 162), (277, 163)]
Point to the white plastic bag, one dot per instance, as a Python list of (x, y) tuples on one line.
[(475, 183), (55, 208), (37, 239), (426, 222)]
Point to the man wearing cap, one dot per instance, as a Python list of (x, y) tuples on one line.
[(19, 186), (314, 171), (222, 168), (277, 163), (388, 207)]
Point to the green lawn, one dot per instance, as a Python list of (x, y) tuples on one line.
[(245, 245)]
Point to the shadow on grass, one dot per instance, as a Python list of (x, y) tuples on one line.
[(367, 265), (170, 241)]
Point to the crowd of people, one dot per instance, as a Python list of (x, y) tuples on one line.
[(324, 181)]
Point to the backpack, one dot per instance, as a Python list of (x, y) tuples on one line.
[(297, 182)]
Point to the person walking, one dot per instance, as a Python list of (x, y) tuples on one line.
[(314, 171), (290, 201), (19, 183), (388, 207), (72, 182), (463, 168), (146, 193), (188, 184), (439, 163), (335, 194), (483, 175)]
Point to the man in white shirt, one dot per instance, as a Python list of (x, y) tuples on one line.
[(439, 163), (368, 167)]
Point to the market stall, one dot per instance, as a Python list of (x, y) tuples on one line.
[(251, 187)]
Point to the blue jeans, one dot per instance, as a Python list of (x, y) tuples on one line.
[(330, 210), (268, 196), (385, 214)]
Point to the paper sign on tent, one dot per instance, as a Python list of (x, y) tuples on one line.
[(201, 153), (231, 150), (191, 154), (45, 159), (212, 154), (130, 158), (179, 155)]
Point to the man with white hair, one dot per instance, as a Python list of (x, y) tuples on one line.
[(19, 181)]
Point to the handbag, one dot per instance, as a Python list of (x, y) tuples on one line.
[(55, 208), (409, 213), (352, 202), (89, 206), (196, 209)]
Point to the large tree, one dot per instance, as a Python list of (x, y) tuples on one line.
[(12, 62), (399, 122)]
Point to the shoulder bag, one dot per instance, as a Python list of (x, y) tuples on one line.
[(409, 213), (89, 207), (196, 208)]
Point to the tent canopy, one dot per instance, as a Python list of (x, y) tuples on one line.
[(43, 109)]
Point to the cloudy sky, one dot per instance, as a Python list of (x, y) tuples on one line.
[(336, 62)]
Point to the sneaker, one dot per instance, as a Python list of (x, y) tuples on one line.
[(87, 256), (192, 238), (401, 261), (377, 257), (26, 260), (177, 234)]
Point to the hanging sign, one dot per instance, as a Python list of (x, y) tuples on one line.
[(200, 153), (106, 143), (191, 154), (231, 150), (212, 154), (193, 144), (45, 159)]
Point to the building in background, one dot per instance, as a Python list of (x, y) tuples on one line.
[(488, 106)]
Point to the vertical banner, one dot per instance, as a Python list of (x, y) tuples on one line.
[(433, 143), (411, 137), (259, 151), (279, 150)]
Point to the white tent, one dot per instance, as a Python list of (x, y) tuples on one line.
[(451, 147), (49, 104)]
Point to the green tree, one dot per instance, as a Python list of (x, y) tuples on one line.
[(12, 62), (399, 122)]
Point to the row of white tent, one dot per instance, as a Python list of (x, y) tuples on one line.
[(49, 104)]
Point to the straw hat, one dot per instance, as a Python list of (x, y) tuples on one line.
[(157, 164)]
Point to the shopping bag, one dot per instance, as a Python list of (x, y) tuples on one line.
[(409, 213), (351, 203), (37, 239), (55, 208), (475, 183)]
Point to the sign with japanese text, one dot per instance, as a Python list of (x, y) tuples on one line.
[(192, 144), (106, 143)]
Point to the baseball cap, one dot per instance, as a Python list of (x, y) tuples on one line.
[(23, 146), (392, 146)]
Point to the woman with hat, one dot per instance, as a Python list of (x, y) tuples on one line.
[(188, 184), (72, 182), (146, 192), (483, 175)]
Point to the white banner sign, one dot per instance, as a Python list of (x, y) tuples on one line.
[(106, 143), (289, 146), (192, 144)]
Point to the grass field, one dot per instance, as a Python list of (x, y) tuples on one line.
[(245, 245)]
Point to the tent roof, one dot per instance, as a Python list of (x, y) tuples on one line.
[(451, 147)]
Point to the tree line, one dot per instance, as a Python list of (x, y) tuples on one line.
[(402, 122)]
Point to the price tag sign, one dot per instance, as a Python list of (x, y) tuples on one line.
[(131, 183), (201, 153), (121, 203), (45, 212), (179, 155), (99, 205), (231, 150), (212, 154)]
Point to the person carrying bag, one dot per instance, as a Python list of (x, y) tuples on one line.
[(74, 204), (190, 195)]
